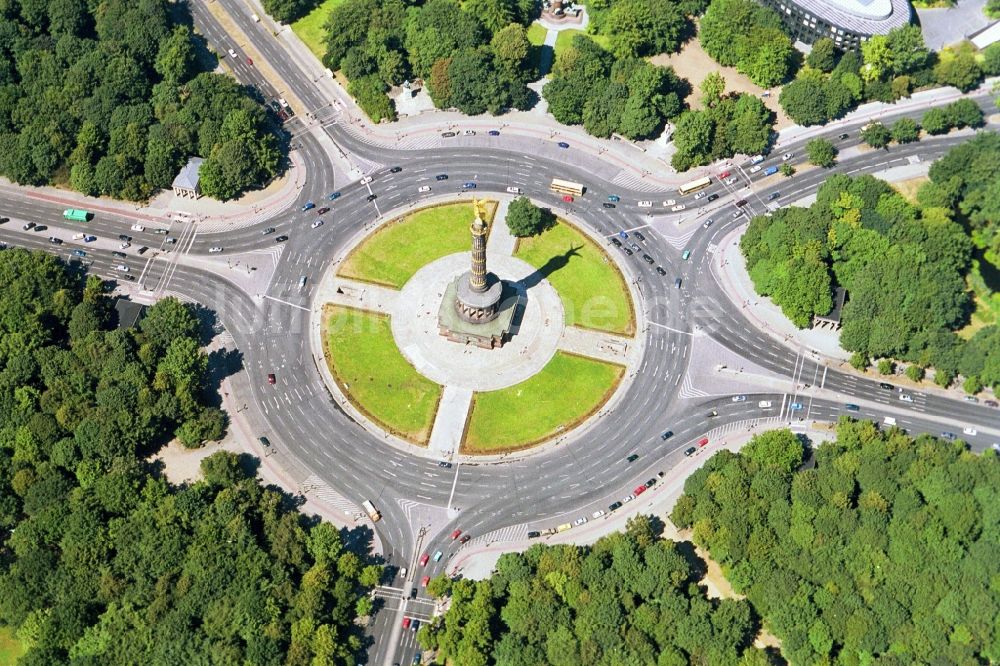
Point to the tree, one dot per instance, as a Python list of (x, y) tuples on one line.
[(958, 67), (972, 385), (175, 60), (804, 100), (511, 49), (823, 55), (936, 121), (493, 14), (712, 88), (965, 113), (821, 152), (786, 170), (876, 135), (991, 59), (526, 219), (287, 11), (914, 372), (645, 27), (905, 130), (886, 367), (859, 361)]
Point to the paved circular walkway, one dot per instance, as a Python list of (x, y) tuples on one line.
[(536, 333)]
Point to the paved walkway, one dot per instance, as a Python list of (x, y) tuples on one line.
[(449, 422)]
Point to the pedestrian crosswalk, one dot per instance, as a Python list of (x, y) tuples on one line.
[(634, 181), (689, 391), (502, 535), (315, 487)]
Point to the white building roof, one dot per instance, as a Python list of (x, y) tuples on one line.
[(863, 17), (187, 179)]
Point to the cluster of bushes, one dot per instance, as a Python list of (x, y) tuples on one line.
[(630, 598), (639, 28), (729, 124), (287, 11), (881, 552), (108, 101), (750, 37), (103, 561), (904, 266), (474, 56), (627, 96)]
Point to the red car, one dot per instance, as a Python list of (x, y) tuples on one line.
[(423, 559), (424, 581), (568, 198), (724, 174), (250, 61), (270, 378), (703, 442), (639, 490), (406, 623), (322, 211), (456, 534), (464, 539)]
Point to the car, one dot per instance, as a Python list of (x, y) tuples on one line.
[(703, 442), (456, 534), (323, 211), (580, 521), (469, 185), (366, 180), (40, 227), (614, 241), (639, 236), (120, 255), (417, 659), (395, 169), (309, 205), (992, 403), (302, 281), (614, 197), (670, 202), (232, 53), (773, 195), (567, 198), (317, 223), (623, 234), (123, 245), (971, 398), (270, 378), (214, 250), (700, 195), (424, 559), (79, 253), (143, 250), (333, 196), (89, 239), (614, 506), (712, 413), (563, 144), (468, 132), (645, 204), (138, 227), (648, 259), (712, 197), (948, 435), (886, 386), (608, 205), (627, 250), (437, 556), (406, 623), (122, 268), (650, 483), (906, 397), (413, 593), (660, 271), (627, 499), (795, 406), (160, 230), (447, 135), (685, 254), (635, 248), (739, 398), (678, 207), (738, 214), (415, 626), (444, 464), (130, 278), (708, 223), (265, 232), (633, 457), (514, 190), (843, 136), (732, 181), (741, 203), (441, 176), (465, 538), (851, 407), (124, 237), (764, 404), (786, 157), (371, 197), (494, 132), (281, 239), (4, 220), (256, 19), (755, 169), (969, 430), (677, 283), (639, 490), (724, 175), (424, 581), (534, 534), (55, 241), (424, 188)]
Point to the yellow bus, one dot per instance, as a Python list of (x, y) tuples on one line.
[(566, 187), (695, 185)]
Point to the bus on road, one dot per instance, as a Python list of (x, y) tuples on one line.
[(694, 185), (76, 215), (566, 187)]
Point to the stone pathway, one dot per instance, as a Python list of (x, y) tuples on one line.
[(449, 422)]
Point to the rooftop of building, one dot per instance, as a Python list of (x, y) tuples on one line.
[(864, 17)]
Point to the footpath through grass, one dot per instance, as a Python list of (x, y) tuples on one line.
[(566, 391), (10, 647), (401, 248), (593, 291), (375, 375), (310, 28)]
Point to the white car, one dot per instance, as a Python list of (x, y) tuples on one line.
[(678, 207), (232, 53), (764, 404), (755, 169), (645, 204), (424, 188), (580, 521), (597, 514), (214, 250), (79, 236), (121, 268), (906, 397), (628, 498), (366, 180), (317, 223), (739, 398), (786, 157), (700, 195), (138, 227), (670, 202), (969, 430), (469, 133), (124, 244), (256, 19), (732, 180), (514, 190)]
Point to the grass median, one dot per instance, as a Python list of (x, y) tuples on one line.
[(374, 374), (399, 249), (592, 289), (567, 390)]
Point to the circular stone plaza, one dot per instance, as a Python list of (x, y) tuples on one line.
[(441, 330)]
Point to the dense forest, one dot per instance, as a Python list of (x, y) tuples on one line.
[(910, 270), (107, 98), (631, 598), (102, 561), (884, 551)]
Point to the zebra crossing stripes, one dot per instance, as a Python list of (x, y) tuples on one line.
[(502, 535), (321, 491), (635, 182), (679, 241)]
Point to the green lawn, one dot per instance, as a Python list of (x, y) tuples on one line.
[(536, 34), (564, 393), (565, 38), (310, 29), (371, 370), (401, 248), (592, 290), (10, 647)]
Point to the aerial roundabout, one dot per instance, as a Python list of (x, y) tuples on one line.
[(444, 333)]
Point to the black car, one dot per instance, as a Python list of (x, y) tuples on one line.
[(130, 278), (445, 464), (712, 197), (447, 135), (667, 434), (651, 483), (712, 413), (887, 387), (120, 255), (281, 239), (660, 271), (441, 176), (639, 236), (615, 506), (372, 197), (264, 441), (628, 251), (4, 220), (689, 451), (843, 136), (395, 169), (142, 250), (633, 457), (648, 259), (55, 241), (608, 205), (413, 593), (773, 195), (534, 535), (851, 407), (269, 230), (616, 242), (741, 203), (41, 227), (125, 238)]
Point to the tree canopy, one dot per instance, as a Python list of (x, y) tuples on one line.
[(882, 552), (750, 37), (732, 124), (526, 219)]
